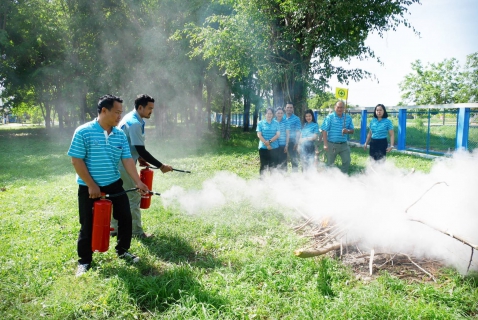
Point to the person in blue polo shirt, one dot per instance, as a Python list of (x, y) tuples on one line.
[(308, 135), (95, 150), (335, 128), (268, 132), (283, 139), (377, 135), (294, 135), (133, 126)]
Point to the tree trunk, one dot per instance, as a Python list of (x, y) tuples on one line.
[(199, 105), (256, 114), (83, 107), (46, 112), (209, 88), (247, 111), (226, 111), (290, 88), (60, 112)]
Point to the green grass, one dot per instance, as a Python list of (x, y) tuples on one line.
[(233, 262)]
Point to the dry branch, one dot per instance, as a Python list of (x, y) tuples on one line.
[(459, 238), (429, 274), (307, 253), (425, 194)]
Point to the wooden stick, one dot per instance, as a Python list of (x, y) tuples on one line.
[(459, 238), (424, 194), (429, 274), (370, 264), (307, 253), (471, 258)]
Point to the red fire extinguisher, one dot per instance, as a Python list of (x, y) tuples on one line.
[(100, 238), (146, 176)]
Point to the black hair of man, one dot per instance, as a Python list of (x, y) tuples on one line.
[(107, 102), (385, 114), (288, 102), (142, 100), (309, 111)]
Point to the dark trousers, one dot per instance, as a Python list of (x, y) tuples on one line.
[(121, 212), (378, 148), (307, 154), (282, 158), (293, 156), (268, 159)]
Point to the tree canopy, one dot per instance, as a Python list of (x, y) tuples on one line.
[(61, 55), (441, 83)]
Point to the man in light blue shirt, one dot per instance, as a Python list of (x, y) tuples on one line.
[(294, 135), (335, 128), (96, 149), (132, 125)]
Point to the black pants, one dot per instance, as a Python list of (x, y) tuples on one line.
[(307, 154), (378, 148), (268, 159), (281, 158), (293, 156), (121, 212)]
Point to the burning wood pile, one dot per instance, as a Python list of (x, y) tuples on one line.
[(330, 238)]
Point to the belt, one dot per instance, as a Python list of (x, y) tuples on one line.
[(335, 142)]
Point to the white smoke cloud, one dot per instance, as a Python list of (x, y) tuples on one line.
[(377, 207)]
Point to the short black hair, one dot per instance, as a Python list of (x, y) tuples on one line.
[(142, 100), (312, 113), (289, 102), (385, 114), (107, 102)]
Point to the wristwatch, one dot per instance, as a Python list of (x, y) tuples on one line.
[(270, 141)]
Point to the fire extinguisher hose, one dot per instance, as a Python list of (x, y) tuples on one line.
[(178, 170), (123, 192)]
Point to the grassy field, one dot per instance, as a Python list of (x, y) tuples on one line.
[(229, 263)]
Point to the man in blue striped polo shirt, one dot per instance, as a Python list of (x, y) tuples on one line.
[(335, 128), (294, 135), (96, 149), (132, 125)]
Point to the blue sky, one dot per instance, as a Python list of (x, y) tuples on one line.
[(448, 29)]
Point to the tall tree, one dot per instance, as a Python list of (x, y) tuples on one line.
[(292, 43), (441, 83)]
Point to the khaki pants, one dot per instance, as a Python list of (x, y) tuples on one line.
[(134, 203), (341, 149)]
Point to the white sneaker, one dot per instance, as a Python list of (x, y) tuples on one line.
[(82, 269), (129, 256)]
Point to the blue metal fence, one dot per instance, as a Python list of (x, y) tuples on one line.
[(433, 129)]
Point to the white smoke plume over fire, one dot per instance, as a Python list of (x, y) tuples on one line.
[(377, 207)]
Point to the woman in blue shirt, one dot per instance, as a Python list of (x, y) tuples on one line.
[(377, 135), (268, 132), (308, 135)]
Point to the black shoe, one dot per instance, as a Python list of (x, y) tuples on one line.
[(143, 235), (129, 256)]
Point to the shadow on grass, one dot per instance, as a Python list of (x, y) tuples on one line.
[(175, 250), (36, 151), (156, 293)]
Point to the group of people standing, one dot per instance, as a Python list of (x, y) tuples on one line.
[(285, 139)]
